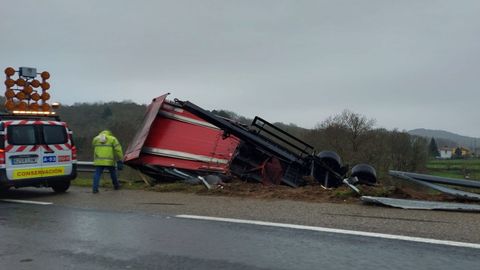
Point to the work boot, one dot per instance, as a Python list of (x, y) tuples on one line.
[(95, 191), (116, 187)]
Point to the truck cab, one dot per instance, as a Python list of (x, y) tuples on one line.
[(36, 151)]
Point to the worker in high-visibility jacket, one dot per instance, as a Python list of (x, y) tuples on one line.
[(106, 152)]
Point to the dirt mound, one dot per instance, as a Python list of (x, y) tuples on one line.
[(310, 193)]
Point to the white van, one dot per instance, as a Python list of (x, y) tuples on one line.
[(36, 151)]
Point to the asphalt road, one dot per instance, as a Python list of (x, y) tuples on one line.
[(453, 226), (84, 231)]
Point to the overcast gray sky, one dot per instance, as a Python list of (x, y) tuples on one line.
[(407, 64)]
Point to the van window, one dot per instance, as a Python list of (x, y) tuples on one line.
[(54, 135), (21, 135)]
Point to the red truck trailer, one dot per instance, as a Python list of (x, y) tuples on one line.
[(179, 139), (173, 141)]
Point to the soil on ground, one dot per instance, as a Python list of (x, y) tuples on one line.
[(309, 193)]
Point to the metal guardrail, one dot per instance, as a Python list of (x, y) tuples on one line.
[(85, 166)]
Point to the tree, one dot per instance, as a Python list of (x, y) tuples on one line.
[(433, 148), (356, 125), (107, 112), (381, 148), (233, 116), (419, 154)]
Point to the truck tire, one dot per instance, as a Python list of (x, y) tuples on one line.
[(322, 175), (60, 187), (365, 173)]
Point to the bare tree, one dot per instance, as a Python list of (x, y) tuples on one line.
[(355, 125), (355, 139)]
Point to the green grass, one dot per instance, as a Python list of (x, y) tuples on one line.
[(473, 164), (457, 168), (105, 182), (449, 174), (344, 193), (177, 187), (129, 179), (86, 180)]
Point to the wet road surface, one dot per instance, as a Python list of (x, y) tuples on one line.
[(65, 237), (454, 226)]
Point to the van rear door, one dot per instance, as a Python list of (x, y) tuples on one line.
[(23, 156), (57, 151)]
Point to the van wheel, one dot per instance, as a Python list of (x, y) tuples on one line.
[(60, 187)]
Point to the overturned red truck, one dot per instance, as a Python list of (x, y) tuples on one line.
[(180, 140)]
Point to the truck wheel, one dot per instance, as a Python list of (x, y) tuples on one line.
[(322, 175), (60, 187), (365, 173)]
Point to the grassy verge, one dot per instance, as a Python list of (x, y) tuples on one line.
[(135, 183), (310, 193), (107, 183), (462, 168)]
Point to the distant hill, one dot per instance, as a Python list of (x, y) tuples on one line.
[(445, 138)]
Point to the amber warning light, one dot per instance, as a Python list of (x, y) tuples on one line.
[(26, 94)]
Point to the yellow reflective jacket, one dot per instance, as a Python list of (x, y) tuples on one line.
[(106, 149)]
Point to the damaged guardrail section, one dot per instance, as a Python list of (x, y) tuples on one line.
[(434, 183)]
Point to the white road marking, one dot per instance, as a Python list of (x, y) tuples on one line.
[(340, 231), (26, 202)]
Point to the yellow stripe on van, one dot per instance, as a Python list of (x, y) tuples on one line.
[(40, 172)]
